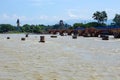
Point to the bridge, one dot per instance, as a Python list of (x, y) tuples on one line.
[(88, 32)]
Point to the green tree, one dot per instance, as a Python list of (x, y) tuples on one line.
[(66, 26), (38, 28), (26, 28), (101, 17), (76, 25), (56, 26), (6, 28), (94, 24), (34, 28), (117, 19)]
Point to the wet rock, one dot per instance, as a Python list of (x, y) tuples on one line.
[(26, 35), (8, 37), (61, 34), (116, 35), (102, 35), (53, 36), (74, 36), (105, 37), (22, 39)]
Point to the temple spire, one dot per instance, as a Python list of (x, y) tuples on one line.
[(18, 23)]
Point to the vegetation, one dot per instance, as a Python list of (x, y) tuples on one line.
[(61, 25), (76, 25), (117, 19), (6, 28), (94, 24), (101, 17)]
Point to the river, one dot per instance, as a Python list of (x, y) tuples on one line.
[(61, 58)]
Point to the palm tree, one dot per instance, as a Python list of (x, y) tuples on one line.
[(101, 17), (117, 19)]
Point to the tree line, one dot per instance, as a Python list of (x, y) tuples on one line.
[(100, 17)]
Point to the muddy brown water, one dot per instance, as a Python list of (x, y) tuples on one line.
[(61, 58)]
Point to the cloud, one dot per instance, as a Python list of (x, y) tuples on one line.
[(74, 13), (11, 19), (79, 14), (71, 15), (111, 12), (5, 16), (41, 19)]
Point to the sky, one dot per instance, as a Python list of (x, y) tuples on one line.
[(49, 12)]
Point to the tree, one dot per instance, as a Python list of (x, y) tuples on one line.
[(26, 28), (6, 28), (33, 28), (67, 26), (56, 26), (101, 17), (117, 19), (94, 24), (39, 29), (76, 25)]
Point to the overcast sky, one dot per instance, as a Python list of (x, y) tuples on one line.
[(51, 11)]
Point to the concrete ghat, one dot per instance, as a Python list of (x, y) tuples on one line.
[(62, 58)]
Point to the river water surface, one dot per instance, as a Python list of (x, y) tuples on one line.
[(61, 58)]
